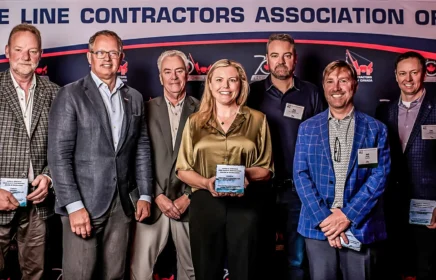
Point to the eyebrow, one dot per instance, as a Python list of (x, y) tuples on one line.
[(166, 69)]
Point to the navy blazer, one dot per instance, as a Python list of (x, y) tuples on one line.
[(314, 178), (414, 170)]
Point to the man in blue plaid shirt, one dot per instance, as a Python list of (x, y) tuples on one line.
[(340, 168)]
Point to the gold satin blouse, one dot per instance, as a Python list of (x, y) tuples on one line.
[(247, 142)]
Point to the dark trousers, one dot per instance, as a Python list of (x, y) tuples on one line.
[(221, 227), (101, 256), (294, 245), (327, 263), (421, 255), (30, 231)]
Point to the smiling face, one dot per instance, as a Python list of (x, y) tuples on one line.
[(281, 59), (225, 85), (410, 78), (173, 76), (339, 88), (105, 68), (24, 53)]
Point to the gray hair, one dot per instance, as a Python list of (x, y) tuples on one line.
[(172, 53)]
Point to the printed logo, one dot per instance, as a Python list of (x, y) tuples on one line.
[(122, 71), (196, 71), (262, 70), (41, 71), (430, 75), (364, 71)]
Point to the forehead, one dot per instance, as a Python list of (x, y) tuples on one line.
[(339, 73), (409, 63), (24, 38), (228, 71), (280, 46), (105, 41), (172, 62)]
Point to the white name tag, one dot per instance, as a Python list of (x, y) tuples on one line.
[(18, 187), (353, 243), (428, 132), (367, 157), (293, 111)]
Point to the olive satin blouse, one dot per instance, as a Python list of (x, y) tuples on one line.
[(247, 142)]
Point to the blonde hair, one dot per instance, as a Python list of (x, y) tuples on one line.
[(339, 64), (207, 110)]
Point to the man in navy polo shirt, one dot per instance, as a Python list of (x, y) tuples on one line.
[(287, 101)]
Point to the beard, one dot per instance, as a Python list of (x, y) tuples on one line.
[(282, 74)]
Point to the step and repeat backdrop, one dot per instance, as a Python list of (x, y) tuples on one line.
[(368, 34)]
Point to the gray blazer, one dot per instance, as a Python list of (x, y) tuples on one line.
[(164, 158), (83, 162)]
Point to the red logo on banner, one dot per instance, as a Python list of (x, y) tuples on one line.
[(196, 71), (41, 70), (123, 68), (364, 67)]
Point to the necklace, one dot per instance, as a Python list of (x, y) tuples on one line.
[(221, 120)]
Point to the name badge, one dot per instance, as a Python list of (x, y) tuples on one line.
[(293, 111), (230, 178), (428, 132), (18, 187), (367, 157)]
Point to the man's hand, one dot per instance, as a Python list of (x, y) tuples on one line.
[(41, 192), (433, 220), (335, 224), (142, 210), (7, 201), (167, 207), (182, 203), (336, 242), (80, 223)]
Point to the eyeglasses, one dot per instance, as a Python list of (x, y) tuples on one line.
[(337, 151), (102, 54)]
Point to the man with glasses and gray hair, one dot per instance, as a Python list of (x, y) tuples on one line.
[(166, 117), (99, 152), (340, 168)]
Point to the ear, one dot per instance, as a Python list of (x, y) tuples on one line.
[(7, 51), (122, 55), (160, 79), (89, 56)]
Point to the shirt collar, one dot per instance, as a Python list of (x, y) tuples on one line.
[(98, 82), (269, 84), (17, 86), (350, 115), (180, 103), (413, 103)]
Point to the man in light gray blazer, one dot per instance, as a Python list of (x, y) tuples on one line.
[(98, 152), (166, 117)]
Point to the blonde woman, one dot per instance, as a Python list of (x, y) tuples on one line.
[(224, 131)]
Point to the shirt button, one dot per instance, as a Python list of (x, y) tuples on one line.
[(175, 114)]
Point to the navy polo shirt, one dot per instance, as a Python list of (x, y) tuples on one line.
[(265, 97)]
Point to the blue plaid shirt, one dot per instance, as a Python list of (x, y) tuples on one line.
[(315, 180)]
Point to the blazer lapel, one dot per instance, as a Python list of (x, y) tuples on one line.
[(325, 138), (164, 124), (360, 128), (424, 111), (188, 109), (127, 106), (11, 97), (39, 99), (93, 95)]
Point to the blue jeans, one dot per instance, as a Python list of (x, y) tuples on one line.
[(294, 246)]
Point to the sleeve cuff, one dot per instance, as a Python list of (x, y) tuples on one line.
[(75, 206), (145, 197)]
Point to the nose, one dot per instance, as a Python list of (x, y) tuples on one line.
[(282, 59), (173, 75), (409, 77), (26, 55)]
